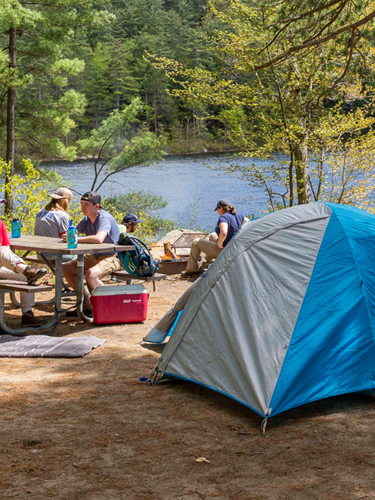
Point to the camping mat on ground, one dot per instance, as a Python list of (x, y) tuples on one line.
[(43, 346)]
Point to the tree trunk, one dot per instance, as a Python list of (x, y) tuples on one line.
[(302, 172), (11, 113), (155, 117), (291, 188), (147, 116)]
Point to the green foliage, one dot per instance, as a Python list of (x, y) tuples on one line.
[(280, 107), (137, 201), (69, 45), (153, 228), (29, 194), (45, 105), (143, 205), (30, 190), (118, 146)]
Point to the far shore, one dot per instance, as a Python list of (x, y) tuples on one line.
[(167, 155)]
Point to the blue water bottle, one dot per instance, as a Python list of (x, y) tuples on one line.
[(16, 228), (72, 236)]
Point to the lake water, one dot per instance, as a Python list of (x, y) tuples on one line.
[(186, 182)]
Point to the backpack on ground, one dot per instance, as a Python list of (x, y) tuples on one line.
[(138, 262)]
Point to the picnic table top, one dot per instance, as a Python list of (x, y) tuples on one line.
[(44, 244)]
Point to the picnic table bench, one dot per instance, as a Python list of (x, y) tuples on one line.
[(11, 286), (43, 244), (33, 259), (121, 275), (128, 278)]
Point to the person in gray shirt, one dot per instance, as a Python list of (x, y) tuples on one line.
[(53, 219)]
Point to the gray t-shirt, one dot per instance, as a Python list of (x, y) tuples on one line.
[(51, 223), (103, 222)]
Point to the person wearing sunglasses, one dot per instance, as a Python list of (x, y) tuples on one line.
[(228, 224)]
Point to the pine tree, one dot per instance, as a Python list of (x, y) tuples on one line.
[(34, 76)]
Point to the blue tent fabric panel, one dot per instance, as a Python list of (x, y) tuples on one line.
[(332, 349), (175, 323), (364, 254), (359, 226), (354, 221)]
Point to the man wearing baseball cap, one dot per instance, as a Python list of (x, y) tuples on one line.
[(130, 223), (98, 226)]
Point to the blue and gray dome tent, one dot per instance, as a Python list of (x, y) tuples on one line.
[(285, 315)]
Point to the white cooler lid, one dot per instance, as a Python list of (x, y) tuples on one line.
[(119, 290)]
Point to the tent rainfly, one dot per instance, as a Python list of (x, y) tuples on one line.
[(286, 313)]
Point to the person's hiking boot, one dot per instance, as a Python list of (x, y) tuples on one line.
[(28, 319), (34, 273), (190, 274)]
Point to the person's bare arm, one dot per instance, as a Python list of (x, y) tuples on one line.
[(223, 226), (99, 237), (245, 220)]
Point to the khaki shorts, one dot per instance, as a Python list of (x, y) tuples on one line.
[(107, 263)]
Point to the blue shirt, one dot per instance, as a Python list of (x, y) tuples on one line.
[(103, 222), (234, 224)]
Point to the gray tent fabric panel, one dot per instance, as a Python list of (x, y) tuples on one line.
[(44, 346), (160, 331), (250, 234), (248, 317)]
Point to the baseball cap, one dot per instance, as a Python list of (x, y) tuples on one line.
[(221, 204), (61, 193), (92, 196), (131, 218)]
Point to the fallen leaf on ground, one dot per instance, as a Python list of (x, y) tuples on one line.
[(202, 459)]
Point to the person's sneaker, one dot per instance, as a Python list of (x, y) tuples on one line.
[(34, 273), (28, 319), (74, 314)]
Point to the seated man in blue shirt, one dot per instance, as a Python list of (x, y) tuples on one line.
[(99, 227)]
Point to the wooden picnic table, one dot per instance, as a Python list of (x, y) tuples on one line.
[(43, 245)]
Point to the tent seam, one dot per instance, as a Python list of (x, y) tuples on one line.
[(364, 294), (239, 252), (359, 274), (271, 405)]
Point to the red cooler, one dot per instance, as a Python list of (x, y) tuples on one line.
[(119, 304)]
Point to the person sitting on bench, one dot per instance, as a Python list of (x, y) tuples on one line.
[(99, 227), (14, 268), (228, 224), (53, 219), (129, 223)]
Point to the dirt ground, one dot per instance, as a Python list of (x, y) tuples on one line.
[(88, 429)]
